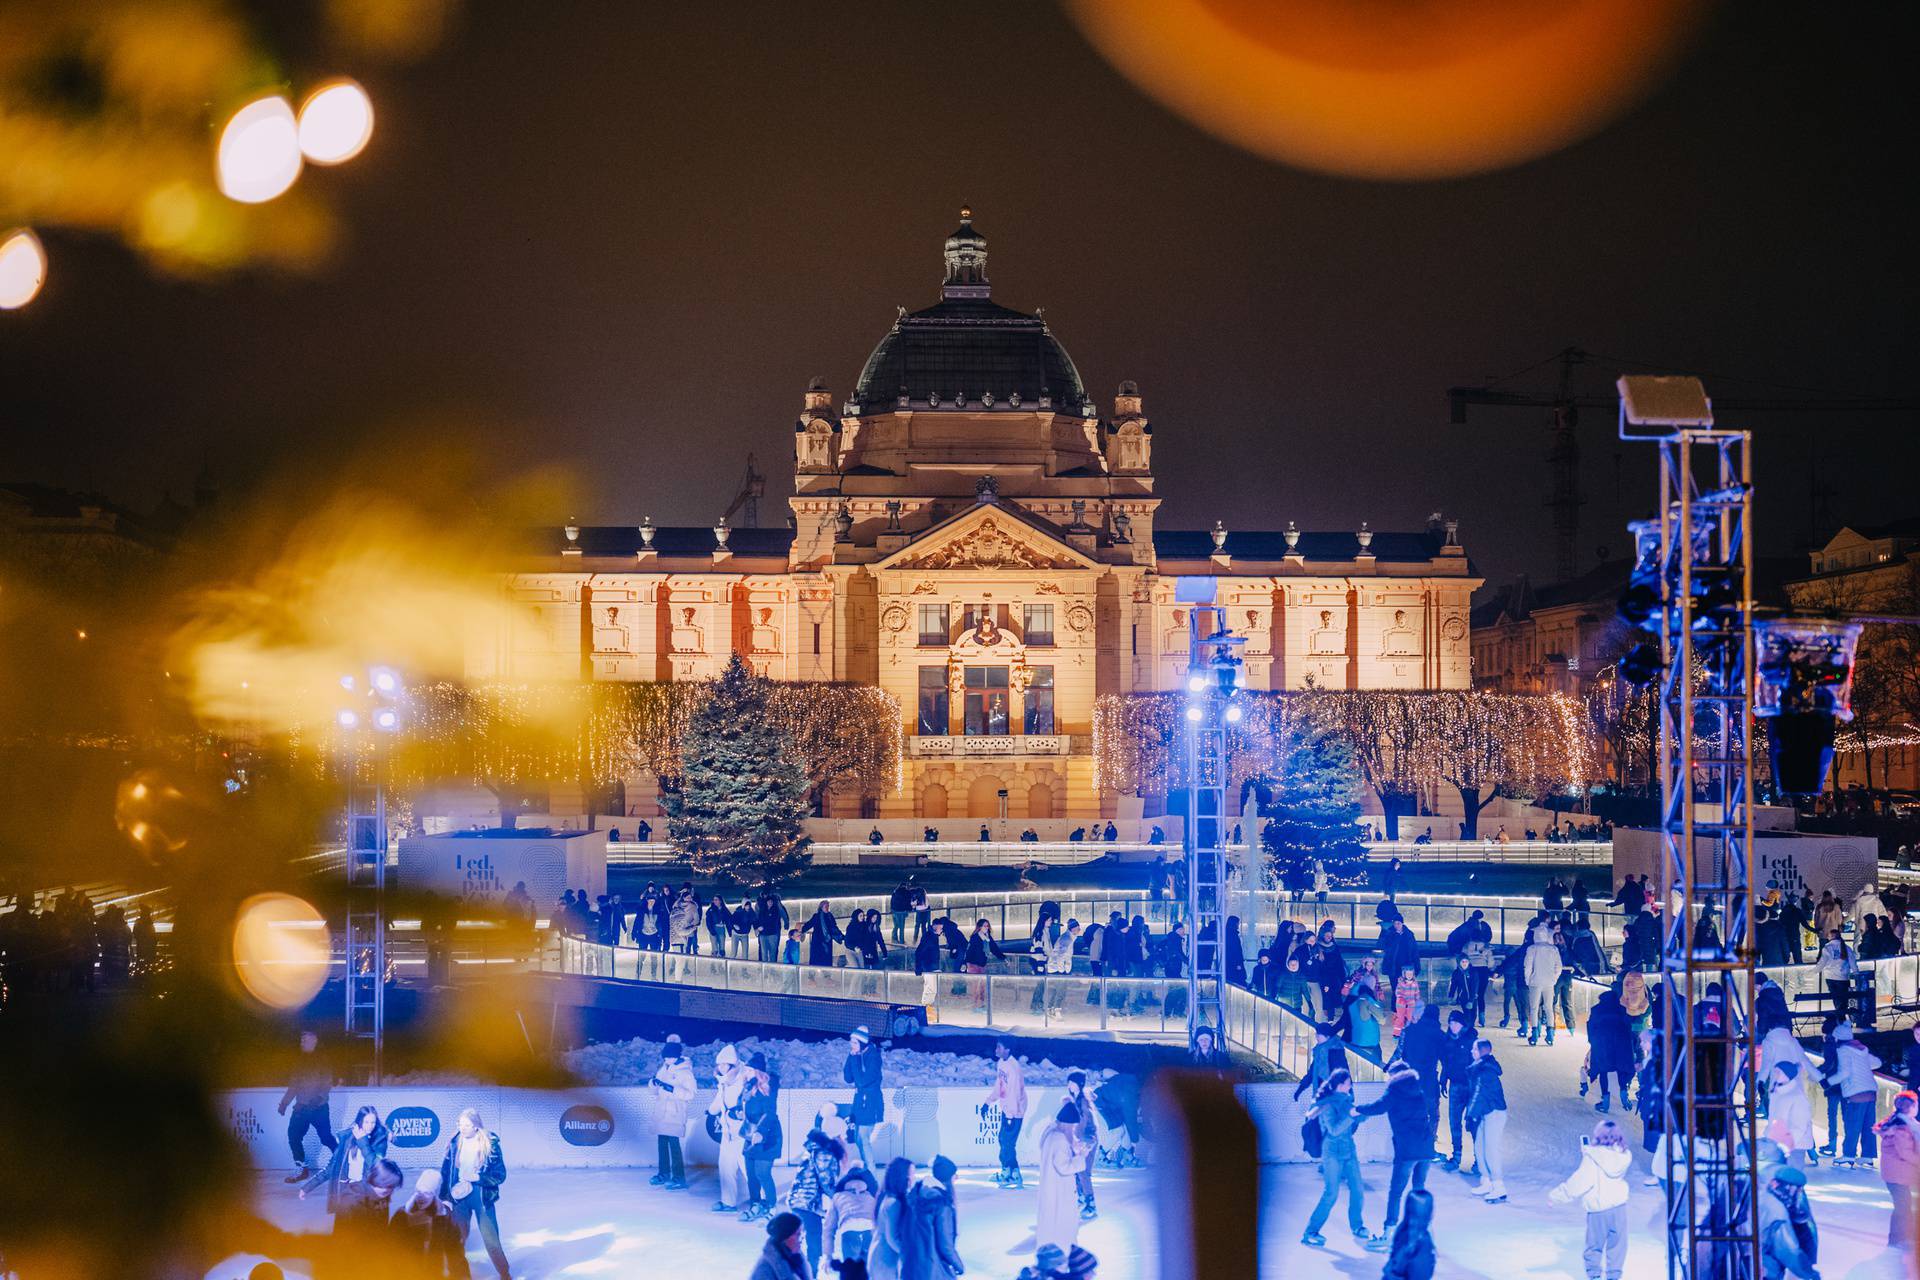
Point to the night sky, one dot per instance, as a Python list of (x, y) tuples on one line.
[(621, 238)]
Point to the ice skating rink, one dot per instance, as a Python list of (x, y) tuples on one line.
[(610, 1222)]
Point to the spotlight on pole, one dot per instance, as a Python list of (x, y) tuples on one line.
[(384, 680), (1193, 712), (1805, 687), (1196, 683), (386, 719), (347, 718), (1233, 713)]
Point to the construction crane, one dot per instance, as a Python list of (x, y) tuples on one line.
[(1563, 448), (753, 486)]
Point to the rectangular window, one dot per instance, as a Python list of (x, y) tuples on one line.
[(988, 700), (1037, 624), (933, 701), (1133, 639), (1038, 704), (933, 625)]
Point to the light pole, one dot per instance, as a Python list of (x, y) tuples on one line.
[(375, 708), (1213, 684)]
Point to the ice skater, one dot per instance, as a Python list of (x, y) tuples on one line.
[(1600, 1186), (1339, 1159), (863, 1072), (1487, 1115), (356, 1149), (310, 1094), (1060, 1159), (725, 1118), (470, 1176), (672, 1087), (1009, 1097)]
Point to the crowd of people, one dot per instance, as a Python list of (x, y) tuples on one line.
[(842, 1210), (68, 945)]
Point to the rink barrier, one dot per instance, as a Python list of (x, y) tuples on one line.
[(615, 1126)]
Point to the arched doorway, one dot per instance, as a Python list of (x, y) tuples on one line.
[(933, 801), (1040, 801), (983, 796)]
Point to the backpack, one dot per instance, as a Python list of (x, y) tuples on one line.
[(1313, 1137)]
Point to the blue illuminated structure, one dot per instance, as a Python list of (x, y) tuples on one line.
[(1214, 671), (377, 708)]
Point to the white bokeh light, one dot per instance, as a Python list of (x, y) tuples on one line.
[(259, 155), (336, 122), (23, 268)]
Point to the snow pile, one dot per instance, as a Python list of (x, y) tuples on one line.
[(801, 1063)]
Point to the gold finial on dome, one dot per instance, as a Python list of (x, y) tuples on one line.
[(966, 213)]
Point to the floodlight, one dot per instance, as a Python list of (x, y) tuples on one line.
[(385, 679), (347, 718), (386, 719), (1193, 713)]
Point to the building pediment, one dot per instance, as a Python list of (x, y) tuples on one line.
[(989, 536)]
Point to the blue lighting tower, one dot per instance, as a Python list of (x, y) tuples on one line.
[(373, 707), (1692, 587), (1213, 706)]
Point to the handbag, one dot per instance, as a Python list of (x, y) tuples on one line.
[(713, 1126)]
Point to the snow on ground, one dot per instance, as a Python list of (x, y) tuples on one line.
[(632, 1062)]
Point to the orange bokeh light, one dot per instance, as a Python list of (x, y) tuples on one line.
[(1391, 89)]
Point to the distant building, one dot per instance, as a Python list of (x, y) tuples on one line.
[(971, 535), (1874, 569), (1549, 639)]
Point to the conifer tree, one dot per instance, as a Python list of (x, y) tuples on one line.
[(741, 808), (1315, 813)]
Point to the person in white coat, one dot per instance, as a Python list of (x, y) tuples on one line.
[(1600, 1187), (1865, 903), (1009, 1097), (672, 1087), (1543, 968), (729, 1117), (1789, 1114), (1061, 1156)]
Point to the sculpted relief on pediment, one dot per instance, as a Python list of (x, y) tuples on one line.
[(989, 546)]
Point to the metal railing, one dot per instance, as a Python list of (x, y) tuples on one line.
[(973, 853)]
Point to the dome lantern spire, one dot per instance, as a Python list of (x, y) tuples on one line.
[(966, 258)]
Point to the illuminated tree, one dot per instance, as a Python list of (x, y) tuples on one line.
[(1314, 815), (742, 803)]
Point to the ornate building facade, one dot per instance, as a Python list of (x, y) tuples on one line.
[(970, 534)]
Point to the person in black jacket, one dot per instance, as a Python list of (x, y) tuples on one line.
[(470, 1176), (770, 923), (825, 933), (1421, 1046), (926, 953), (1405, 1105), (310, 1094), (1487, 1114), (862, 1071), (1456, 1056), (1610, 1050), (1398, 951)]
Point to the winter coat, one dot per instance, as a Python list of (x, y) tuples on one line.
[(493, 1168), (1009, 1092), (1543, 965), (1587, 956), (926, 952), (1600, 1183), (717, 917), (1609, 1038), (979, 946), (770, 916), (339, 1171), (1368, 1015), (673, 1090), (1338, 1120), (1899, 1151), (361, 1211), (1785, 1247), (760, 1125), (728, 1082), (683, 920), (1790, 1115), (1838, 962), (1060, 954), (1853, 1069), (1780, 1046), (1423, 1044), (777, 1264), (823, 932), (1456, 1058), (851, 1209), (928, 1251), (1413, 1260), (1488, 1095), (1060, 1159), (813, 1182), (1328, 1056), (891, 1223), (862, 1071), (1828, 916), (1398, 951), (312, 1083), (1405, 1105)]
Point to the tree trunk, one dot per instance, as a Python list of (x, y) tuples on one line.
[(1470, 806), (1393, 806)]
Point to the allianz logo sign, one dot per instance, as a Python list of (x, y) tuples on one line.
[(412, 1127), (586, 1125)]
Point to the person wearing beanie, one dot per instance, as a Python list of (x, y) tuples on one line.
[(1789, 1114), (726, 1117), (1009, 1097), (1060, 1159), (928, 1251), (1088, 1133), (780, 1257), (1049, 1263), (812, 1191), (862, 1071), (671, 1089), (1789, 1240), (760, 1135)]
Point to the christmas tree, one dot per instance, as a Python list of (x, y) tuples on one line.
[(742, 805), (1314, 815)]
